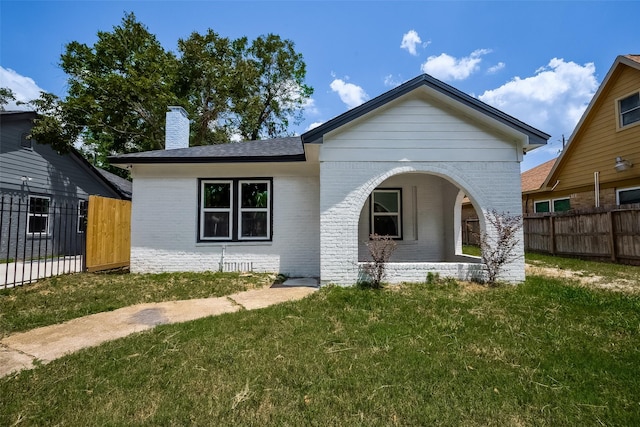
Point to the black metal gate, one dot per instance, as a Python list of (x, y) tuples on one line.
[(40, 236)]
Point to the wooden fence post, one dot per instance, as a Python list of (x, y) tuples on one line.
[(612, 236), (552, 236)]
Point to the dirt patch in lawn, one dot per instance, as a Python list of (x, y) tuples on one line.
[(586, 279)]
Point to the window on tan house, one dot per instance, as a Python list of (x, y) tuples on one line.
[(561, 205), (555, 205), (626, 196), (542, 206), (629, 109)]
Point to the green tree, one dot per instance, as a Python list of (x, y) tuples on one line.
[(274, 93), (52, 125), (209, 80), (119, 88), (6, 96)]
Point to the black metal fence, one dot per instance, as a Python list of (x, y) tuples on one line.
[(40, 236)]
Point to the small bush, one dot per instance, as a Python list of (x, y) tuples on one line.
[(497, 250), (380, 249)]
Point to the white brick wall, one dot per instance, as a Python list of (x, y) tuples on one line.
[(164, 224), (345, 187), (177, 128), (417, 272)]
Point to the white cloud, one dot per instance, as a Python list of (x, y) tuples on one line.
[(313, 126), (446, 67), (409, 42), (24, 88), (552, 100), (310, 107), (352, 95), (499, 66), (391, 81)]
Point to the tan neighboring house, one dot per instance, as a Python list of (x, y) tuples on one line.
[(600, 165)]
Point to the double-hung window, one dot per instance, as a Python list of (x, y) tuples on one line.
[(629, 109), (216, 206), (386, 212), (254, 218), (38, 215), (235, 209)]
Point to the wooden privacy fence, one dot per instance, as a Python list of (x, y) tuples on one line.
[(612, 234), (108, 234)]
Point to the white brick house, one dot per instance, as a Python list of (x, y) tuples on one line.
[(303, 205)]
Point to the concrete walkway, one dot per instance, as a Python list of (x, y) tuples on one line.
[(21, 350)]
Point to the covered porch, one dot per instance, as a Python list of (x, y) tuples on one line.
[(421, 212)]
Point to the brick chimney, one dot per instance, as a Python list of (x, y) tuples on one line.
[(177, 131)]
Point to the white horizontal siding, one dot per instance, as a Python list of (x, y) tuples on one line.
[(418, 129)]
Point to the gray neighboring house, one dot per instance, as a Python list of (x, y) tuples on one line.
[(44, 194)]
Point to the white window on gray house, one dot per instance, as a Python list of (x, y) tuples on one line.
[(38, 215), (235, 209), (629, 109), (82, 215), (255, 218), (386, 212), (626, 196)]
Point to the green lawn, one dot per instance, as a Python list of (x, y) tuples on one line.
[(543, 353)]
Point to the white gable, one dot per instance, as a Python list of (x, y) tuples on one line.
[(420, 127)]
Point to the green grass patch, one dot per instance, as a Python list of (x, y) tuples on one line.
[(585, 267), (61, 298), (543, 353)]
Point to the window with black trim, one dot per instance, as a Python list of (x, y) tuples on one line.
[(38, 215), (386, 212), (629, 108), (235, 209)]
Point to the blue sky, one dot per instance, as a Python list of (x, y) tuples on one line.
[(539, 61)]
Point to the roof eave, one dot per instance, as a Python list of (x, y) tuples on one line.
[(125, 161)]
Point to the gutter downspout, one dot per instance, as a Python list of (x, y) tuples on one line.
[(596, 183)]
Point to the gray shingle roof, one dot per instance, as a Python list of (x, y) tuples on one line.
[(287, 149), (121, 184)]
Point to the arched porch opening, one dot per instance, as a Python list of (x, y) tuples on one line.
[(421, 211)]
